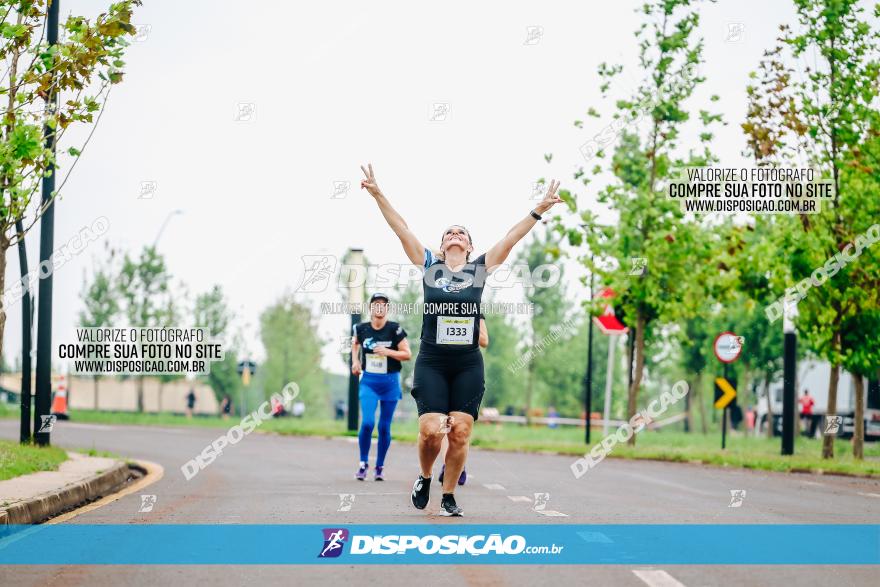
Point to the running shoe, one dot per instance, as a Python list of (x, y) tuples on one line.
[(378, 473), (362, 471), (462, 479), (421, 492), (448, 507)]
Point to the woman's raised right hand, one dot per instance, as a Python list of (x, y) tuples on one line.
[(370, 182)]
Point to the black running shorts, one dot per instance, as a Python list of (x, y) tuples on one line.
[(445, 383)]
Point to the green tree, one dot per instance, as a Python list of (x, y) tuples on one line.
[(211, 311), (548, 303), (100, 297), (649, 225), (824, 114), (144, 287), (73, 78), (293, 352)]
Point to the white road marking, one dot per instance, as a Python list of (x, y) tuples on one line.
[(495, 487), (552, 513), (370, 493), (658, 578), (102, 427), (813, 483), (869, 494), (519, 498)]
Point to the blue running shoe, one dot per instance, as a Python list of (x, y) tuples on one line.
[(362, 471)]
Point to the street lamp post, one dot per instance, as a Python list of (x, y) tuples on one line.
[(164, 224), (43, 397), (588, 380), (789, 372), (355, 298)]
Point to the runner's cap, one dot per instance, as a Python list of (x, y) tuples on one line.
[(379, 296)]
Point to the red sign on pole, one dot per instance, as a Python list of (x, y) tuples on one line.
[(608, 322)]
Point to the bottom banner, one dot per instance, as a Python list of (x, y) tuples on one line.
[(631, 544)]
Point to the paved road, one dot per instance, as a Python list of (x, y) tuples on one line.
[(282, 480)]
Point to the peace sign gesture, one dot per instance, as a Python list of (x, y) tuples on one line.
[(370, 181), (550, 198)]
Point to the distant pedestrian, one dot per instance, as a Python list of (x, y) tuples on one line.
[(190, 403), (226, 406), (340, 409), (552, 416), (807, 403)]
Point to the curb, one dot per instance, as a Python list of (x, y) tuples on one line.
[(47, 505)]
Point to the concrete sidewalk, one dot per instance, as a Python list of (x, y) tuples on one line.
[(31, 499)]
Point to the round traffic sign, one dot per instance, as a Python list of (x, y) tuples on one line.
[(727, 347)]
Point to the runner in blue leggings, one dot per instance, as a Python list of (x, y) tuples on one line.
[(385, 346)]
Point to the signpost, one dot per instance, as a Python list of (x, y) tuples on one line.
[(246, 369), (727, 347), (610, 325)]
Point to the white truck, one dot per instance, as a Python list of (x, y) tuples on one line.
[(813, 376)]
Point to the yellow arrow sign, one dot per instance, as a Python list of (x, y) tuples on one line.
[(729, 393)]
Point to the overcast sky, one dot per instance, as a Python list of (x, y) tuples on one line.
[(335, 85)]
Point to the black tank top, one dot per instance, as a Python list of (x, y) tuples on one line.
[(450, 320)]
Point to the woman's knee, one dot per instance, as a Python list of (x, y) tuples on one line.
[(460, 434)]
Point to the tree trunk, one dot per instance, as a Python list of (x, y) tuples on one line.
[(769, 431), (689, 412), (697, 393), (140, 394), (859, 433), (4, 246), (632, 396), (529, 390), (831, 410)]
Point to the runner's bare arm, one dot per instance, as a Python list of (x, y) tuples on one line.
[(484, 334), (403, 352), (411, 245), (355, 356), (498, 253)]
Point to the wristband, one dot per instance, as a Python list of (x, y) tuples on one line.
[(535, 215)]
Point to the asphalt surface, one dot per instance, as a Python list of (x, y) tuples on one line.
[(270, 479)]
